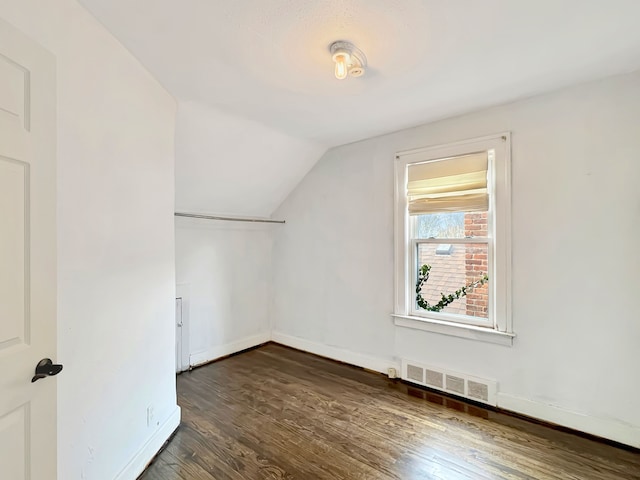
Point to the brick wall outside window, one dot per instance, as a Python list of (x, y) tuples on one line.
[(476, 264)]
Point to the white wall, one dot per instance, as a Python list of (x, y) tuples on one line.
[(576, 224), (225, 268), (115, 245)]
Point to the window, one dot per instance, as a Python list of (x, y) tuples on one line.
[(452, 239)]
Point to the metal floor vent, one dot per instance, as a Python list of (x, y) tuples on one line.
[(474, 388)]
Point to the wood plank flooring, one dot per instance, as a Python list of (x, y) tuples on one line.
[(277, 413)]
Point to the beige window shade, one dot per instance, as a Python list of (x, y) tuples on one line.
[(449, 185)]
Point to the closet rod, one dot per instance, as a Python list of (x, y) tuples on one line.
[(229, 219)]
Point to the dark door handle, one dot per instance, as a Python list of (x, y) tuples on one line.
[(46, 368)]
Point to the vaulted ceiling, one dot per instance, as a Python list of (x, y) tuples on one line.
[(267, 61)]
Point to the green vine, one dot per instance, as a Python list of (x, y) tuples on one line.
[(423, 276)]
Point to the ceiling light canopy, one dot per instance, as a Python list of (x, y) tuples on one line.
[(348, 58)]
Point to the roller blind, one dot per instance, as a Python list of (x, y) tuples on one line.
[(457, 184)]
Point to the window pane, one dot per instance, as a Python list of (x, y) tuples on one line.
[(452, 267), (451, 225)]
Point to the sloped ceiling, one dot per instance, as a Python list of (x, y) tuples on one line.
[(267, 61), (232, 166)]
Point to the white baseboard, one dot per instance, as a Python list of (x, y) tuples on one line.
[(601, 427), (606, 428), (376, 364), (219, 351), (140, 460)]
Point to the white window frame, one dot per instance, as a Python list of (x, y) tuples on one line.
[(498, 327)]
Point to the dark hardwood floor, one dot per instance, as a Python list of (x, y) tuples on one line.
[(273, 413)]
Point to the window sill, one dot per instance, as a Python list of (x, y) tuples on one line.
[(470, 332)]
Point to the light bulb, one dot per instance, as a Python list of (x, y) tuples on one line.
[(341, 66)]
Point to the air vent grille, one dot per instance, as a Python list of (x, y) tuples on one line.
[(455, 384), (434, 379), (415, 373), (479, 391), (459, 384)]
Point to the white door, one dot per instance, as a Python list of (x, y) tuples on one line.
[(27, 257)]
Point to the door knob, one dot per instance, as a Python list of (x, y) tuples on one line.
[(46, 368)]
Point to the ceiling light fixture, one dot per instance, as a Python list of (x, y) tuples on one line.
[(348, 58)]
